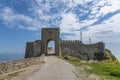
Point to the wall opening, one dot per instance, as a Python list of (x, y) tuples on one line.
[(51, 47)]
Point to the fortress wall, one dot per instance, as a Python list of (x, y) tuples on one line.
[(29, 50), (94, 51), (74, 47), (72, 44), (37, 48), (84, 51), (89, 50), (13, 65), (33, 49), (71, 47)]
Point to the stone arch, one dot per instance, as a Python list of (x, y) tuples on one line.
[(50, 34)]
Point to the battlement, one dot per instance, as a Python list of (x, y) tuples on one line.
[(71, 42)]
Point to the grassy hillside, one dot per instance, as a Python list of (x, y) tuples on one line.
[(106, 69), (109, 55)]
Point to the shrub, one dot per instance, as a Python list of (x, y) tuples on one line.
[(115, 73)]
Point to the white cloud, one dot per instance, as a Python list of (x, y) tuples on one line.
[(108, 31), (73, 3), (109, 6), (12, 19), (42, 7), (70, 23), (104, 7)]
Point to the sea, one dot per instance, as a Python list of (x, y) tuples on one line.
[(10, 56)]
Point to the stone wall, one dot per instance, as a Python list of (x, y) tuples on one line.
[(19, 64), (37, 48), (29, 50), (73, 47), (33, 49), (84, 51)]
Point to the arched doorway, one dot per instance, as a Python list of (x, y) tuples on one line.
[(49, 34), (51, 47)]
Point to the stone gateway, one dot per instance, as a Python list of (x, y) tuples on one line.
[(49, 34), (73, 47)]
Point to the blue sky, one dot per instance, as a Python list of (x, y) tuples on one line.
[(21, 21)]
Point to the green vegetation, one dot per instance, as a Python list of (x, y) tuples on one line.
[(109, 54), (107, 69)]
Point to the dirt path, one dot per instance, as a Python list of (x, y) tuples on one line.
[(53, 69)]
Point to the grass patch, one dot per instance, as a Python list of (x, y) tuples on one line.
[(61, 57), (107, 70), (75, 61)]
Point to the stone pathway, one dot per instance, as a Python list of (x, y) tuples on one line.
[(53, 69)]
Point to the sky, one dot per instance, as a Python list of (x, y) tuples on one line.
[(21, 21)]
